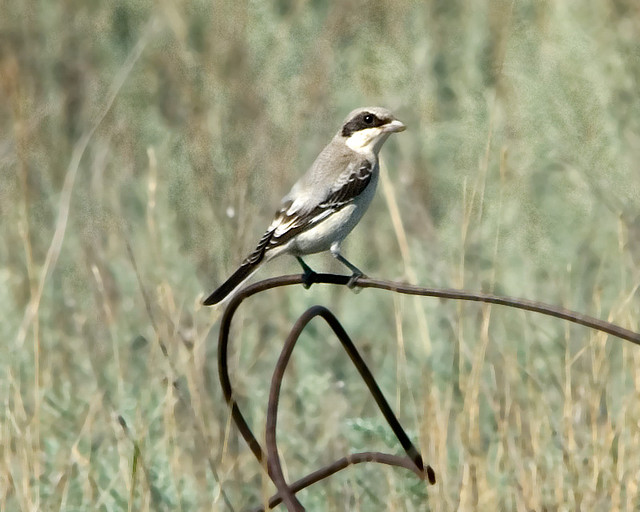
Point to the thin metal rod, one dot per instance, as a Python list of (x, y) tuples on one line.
[(364, 282), (444, 293), (339, 465), (273, 458)]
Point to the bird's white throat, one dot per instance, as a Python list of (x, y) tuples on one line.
[(367, 141)]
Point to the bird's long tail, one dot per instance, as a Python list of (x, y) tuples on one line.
[(248, 267), (243, 273)]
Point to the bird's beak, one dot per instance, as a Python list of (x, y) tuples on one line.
[(394, 126)]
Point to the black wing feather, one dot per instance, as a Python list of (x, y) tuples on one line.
[(338, 198)]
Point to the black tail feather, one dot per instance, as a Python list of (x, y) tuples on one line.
[(243, 272)]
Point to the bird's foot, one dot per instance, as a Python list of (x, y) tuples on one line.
[(308, 275), (353, 281), (308, 278)]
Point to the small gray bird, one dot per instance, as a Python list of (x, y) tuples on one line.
[(327, 202)]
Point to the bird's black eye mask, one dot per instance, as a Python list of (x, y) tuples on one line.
[(362, 121)]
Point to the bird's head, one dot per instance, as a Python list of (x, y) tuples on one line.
[(366, 129)]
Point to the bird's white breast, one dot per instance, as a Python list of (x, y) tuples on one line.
[(336, 226)]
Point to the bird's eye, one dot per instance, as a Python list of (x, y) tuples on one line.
[(368, 119)]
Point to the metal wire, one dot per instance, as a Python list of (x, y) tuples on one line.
[(413, 461)]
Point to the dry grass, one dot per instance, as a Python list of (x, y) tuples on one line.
[(175, 127)]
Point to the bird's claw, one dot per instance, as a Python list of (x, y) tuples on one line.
[(353, 281), (308, 278)]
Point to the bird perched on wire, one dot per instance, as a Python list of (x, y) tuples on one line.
[(327, 202)]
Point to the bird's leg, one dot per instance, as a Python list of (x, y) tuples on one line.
[(308, 275), (335, 252)]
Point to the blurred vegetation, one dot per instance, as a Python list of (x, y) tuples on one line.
[(175, 127)]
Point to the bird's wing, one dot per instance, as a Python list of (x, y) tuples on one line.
[(294, 217)]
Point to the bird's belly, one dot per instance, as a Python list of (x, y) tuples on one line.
[(320, 237), (332, 229)]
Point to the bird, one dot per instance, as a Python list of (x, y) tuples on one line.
[(327, 202)]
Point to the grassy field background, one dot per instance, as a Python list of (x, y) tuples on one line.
[(175, 127)]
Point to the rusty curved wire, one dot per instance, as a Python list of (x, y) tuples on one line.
[(286, 492), (273, 458)]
